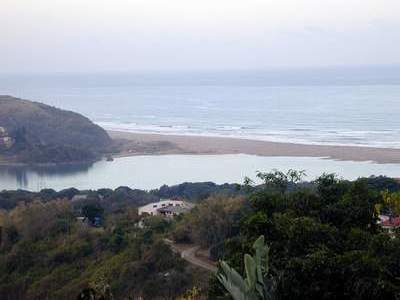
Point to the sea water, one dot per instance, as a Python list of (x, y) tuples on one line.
[(338, 106), (348, 106)]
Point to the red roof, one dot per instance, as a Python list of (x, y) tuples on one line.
[(392, 222)]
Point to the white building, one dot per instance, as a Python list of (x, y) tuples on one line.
[(159, 208)]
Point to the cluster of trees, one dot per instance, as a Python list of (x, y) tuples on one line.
[(390, 205), (45, 253), (210, 223), (198, 191), (323, 236)]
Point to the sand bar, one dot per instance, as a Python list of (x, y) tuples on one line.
[(156, 144)]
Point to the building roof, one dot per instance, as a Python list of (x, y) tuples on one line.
[(173, 209), (392, 222), (166, 202), (79, 197)]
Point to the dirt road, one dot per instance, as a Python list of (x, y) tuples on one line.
[(188, 253)]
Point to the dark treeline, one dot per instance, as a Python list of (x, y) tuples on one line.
[(122, 197)]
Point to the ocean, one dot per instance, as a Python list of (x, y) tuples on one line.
[(338, 106)]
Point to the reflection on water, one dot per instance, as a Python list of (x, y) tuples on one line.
[(33, 176), (150, 172), (22, 178)]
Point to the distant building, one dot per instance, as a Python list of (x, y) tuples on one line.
[(5, 140), (172, 211), (79, 197), (391, 223), (166, 208), (3, 132)]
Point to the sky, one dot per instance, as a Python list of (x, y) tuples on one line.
[(128, 35)]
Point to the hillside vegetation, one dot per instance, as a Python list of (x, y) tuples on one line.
[(47, 253), (323, 238), (37, 133)]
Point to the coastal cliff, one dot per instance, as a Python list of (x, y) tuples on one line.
[(32, 132)]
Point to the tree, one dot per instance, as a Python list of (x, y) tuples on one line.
[(277, 179), (97, 292), (324, 242), (212, 221), (391, 202), (92, 211), (258, 283)]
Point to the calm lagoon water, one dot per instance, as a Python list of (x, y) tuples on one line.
[(150, 172)]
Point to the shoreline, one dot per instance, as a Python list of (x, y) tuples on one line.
[(133, 144)]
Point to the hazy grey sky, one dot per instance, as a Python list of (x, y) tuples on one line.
[(98, 35)]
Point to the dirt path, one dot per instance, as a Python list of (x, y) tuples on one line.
[(188, 253)]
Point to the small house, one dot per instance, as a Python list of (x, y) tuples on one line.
[(166, 207), (172, 211)]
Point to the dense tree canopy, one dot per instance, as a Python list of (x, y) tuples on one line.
[(45, 253), (325, 243)]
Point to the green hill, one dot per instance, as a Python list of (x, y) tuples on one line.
[(33, 132)]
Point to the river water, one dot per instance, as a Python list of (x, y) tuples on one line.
[(150, 172)]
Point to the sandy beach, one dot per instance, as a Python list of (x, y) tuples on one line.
[(157, 144)]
